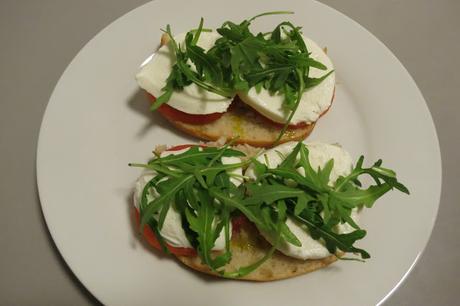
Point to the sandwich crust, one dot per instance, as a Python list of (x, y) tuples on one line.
[(247, 247)]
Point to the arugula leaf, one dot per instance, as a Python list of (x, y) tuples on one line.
[(270, 193), (236, 203), (203, 227), (197, 33), (288, 236), (290, 161), (156, 204), (164, 210), (312, 201), (270, 13), (158, 168), (207, 65), (299, 75), (312, 82), (184, 208), (195, 155), (335, 241), (243, 271)]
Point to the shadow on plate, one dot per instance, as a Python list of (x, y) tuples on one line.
[(139, 103)]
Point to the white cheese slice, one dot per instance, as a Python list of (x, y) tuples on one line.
[(314, 102), (319, 155), (192, 99), (172, 230), (236, 175)]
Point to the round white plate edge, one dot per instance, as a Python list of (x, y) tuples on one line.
[(384, 47), (438, 153)]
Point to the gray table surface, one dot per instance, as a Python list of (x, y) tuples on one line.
[(39, 39)]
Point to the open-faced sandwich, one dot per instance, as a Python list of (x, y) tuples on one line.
[(262, 89), (262, 215)]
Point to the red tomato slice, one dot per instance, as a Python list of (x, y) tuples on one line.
[(184, 146), (238, 222), (176, 115), (153, 241)]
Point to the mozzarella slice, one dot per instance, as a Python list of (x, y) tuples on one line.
[(192, 99), (314, 102), (319, 155), (172, 230), (236, 175)]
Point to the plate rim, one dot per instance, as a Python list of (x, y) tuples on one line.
[(38, 171)]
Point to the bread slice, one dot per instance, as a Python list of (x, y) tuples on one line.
[(248, 246), (245, 124)]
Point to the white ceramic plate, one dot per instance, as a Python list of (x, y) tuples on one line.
[(97, 121)]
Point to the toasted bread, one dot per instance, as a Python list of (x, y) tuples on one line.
[(247, 247), (245, 124)]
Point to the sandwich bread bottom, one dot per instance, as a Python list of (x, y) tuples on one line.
[(248, 246), (243, 123)]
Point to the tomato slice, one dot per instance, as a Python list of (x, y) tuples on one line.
[(177, 115), (238, 222), (184, 146), (153, 241)]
